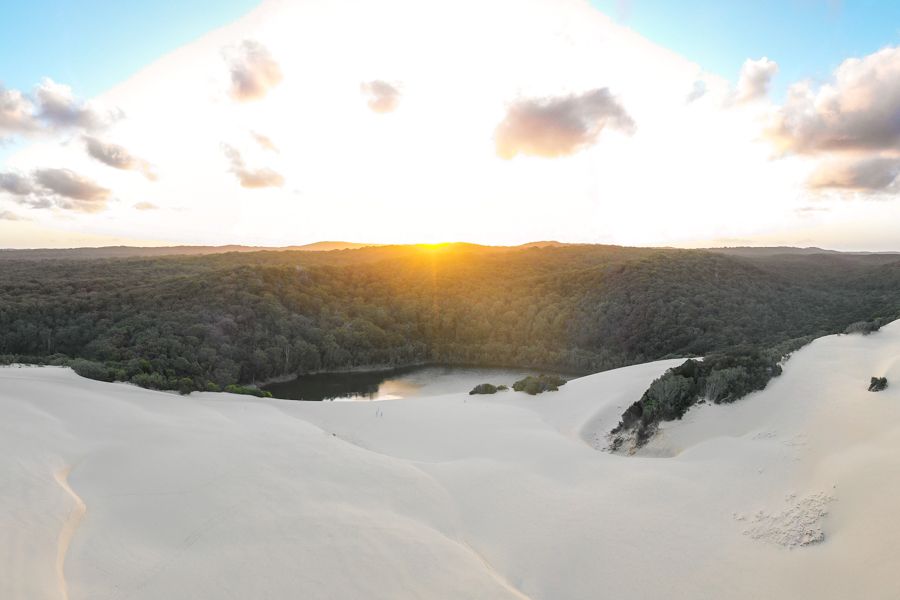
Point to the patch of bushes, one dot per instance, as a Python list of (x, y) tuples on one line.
[(536, 385), (720, 378), (91, 369), (878, 384), (866, 327), (249, 391), (483, 388)]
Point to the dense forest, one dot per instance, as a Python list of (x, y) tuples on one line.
[(209, 321)]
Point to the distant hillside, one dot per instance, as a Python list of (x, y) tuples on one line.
[(192, 322), (152, 251), (766, 251), (547, 244)]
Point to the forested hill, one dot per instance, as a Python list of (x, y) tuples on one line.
[(198, 322), (154, 251)]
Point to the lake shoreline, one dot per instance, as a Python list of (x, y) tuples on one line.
[(427, 379), (571, 374)]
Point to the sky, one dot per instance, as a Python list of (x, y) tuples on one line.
[(282, 122), (808, 38)]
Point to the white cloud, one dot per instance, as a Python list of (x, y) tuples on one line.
[(756, 75), (859, 110), (697, 91), (253, 71), (251, 178), (59, 108), (870, 174), (118, 157), (55, 188), (383, 97), (16, 113), (6, 215), (561, 125), (264, 141)]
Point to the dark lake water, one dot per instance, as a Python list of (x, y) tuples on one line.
[(394, 384)]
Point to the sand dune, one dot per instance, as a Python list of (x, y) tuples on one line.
[(789, 493)]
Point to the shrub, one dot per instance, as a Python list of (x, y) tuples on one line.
[(91, 369), (668, 398), (720, 377), (484, 388), (153, 381), (878, 384), (536, 385), (866, 327), (720, 385), (186, 385), (248, 391)]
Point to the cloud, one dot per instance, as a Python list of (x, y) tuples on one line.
[(697, 92), (851, 122), (50, 109), (756, 75), (383, 97), (59, 108), (17, 185), (117, 157), (145, 206), (60, 188), (561, 125), (16, 113), (74, 191), (811, 210), (264, 142), (6, 215), (858, 111), (251, 178), (871, 174), (253, 72)]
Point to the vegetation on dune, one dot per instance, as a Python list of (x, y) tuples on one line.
[(866, 327), (484, 388), (206, 322), (720, 377), (878, 384), (537, 385)]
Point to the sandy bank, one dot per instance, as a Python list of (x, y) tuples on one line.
[(789, 493)]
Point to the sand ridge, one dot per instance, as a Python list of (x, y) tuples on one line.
[(68, 529)]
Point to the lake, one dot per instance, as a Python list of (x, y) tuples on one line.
[(393, 384)]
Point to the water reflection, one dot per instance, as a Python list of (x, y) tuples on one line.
[(392, 384)]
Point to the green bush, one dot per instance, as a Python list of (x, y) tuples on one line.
[(483, 388), (248, 391), (91, 369), (668, 398), (719, 377), (537, 385), (186, 385), (866, 327), (878, 384)]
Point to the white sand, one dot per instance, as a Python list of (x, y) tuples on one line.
[(108, 491)]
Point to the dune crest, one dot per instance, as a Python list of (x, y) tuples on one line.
[(69, 527)]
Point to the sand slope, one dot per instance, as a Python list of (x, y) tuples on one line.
[(108, 491)]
